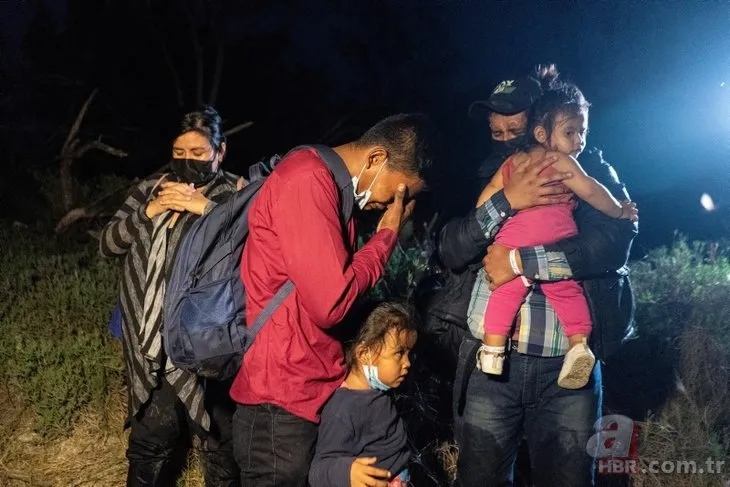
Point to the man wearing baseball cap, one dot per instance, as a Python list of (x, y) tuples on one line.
[(489, 415), (506, 111), (509, 102)]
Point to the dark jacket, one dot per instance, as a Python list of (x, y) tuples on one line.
[(597, 256), (356, 424)]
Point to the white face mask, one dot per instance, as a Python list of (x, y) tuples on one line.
[(362, 198), (371, 374)]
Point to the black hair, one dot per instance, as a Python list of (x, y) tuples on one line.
[(409, 140), (391, 316), (558, 98), (206, 121)]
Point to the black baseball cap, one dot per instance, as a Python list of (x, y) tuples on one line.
[(509, 97)]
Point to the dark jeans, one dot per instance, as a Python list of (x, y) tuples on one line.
[(526, 401), (273, 447), (160, 438)]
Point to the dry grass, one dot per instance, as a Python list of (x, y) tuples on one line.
[(92, 455), (448, 455), (695, 424), (193, 474)]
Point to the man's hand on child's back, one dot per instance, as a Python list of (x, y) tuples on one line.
[(527, 187), (629, 211), (363, 474)]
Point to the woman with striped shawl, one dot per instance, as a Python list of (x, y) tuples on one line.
[(167, 406)]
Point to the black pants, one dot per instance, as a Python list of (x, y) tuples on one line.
[(273, 447), (160, 439)]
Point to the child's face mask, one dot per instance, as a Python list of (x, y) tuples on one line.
[(371, 374)]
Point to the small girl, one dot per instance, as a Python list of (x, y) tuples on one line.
[(558, 121), (361, 441)]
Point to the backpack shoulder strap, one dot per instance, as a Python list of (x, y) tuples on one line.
[(342, 176), (347, 201), (268, 310)]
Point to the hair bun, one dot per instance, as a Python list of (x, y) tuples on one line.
[(547, 75)]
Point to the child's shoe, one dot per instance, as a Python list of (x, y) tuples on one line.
[(490, 359), (577, 367)]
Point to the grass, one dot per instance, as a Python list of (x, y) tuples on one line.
[(63, 398)]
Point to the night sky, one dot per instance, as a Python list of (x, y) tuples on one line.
[(657, 74)]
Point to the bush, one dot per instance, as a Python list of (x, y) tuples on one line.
[(682, 297), (55, 301), (687, 284)]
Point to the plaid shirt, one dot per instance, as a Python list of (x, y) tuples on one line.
[(540, 332)]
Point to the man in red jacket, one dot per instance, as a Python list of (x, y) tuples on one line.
[(296, 233)]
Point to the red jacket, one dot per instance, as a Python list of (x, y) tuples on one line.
[(295, 233)]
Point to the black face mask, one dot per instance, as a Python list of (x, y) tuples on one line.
[(500, 151), (509, 147), (193, 171)]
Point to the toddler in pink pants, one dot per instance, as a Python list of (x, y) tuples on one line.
[(558, 122)]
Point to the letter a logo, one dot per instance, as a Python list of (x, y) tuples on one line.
[(613, 437)]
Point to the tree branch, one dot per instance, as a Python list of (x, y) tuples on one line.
[(89, 211), (99, 145), (333, 130), (77, 123), (198, 52), (96, 207), (237, 128), (173, 72), (218, 73)]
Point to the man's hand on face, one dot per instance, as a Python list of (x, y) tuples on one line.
[(397, 212), (527, 188), (497, 267)]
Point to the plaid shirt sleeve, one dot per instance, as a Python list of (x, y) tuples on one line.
[(493, 213), (543, 265)]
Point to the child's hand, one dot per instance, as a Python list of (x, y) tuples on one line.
[(363, 474), (629, 211)]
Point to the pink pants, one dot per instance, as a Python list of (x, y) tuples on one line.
[(566, 297)]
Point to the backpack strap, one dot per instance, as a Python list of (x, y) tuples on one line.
[(347, 201), (266, 313), (342, 176)]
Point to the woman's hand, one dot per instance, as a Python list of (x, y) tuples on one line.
[(178, 197), (154, 208), (363, 474), (527, 188)]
